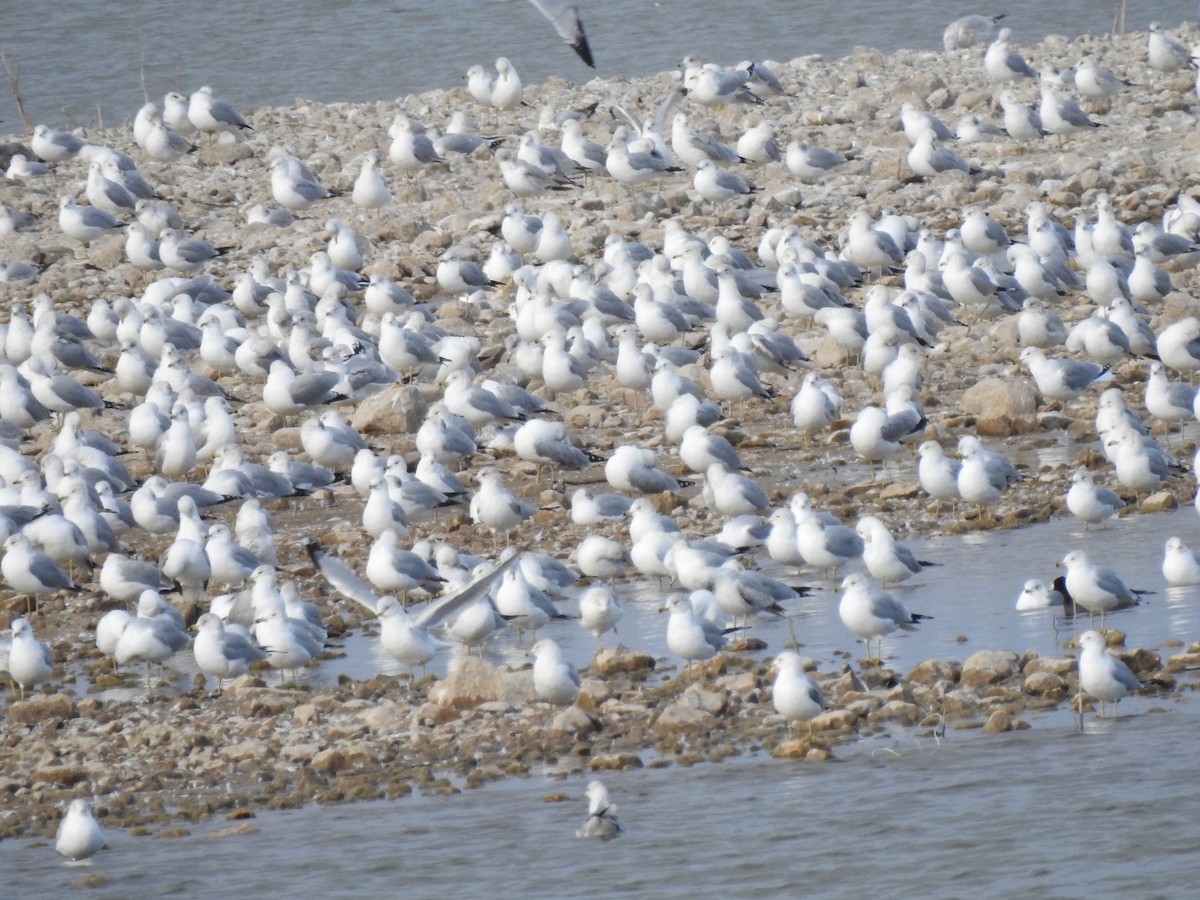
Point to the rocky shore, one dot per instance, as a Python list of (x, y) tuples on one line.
[(178, 754)]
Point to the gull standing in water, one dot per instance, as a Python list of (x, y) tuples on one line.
[(29, 660), (1097, 589), (79, 835), (222, 653), (1103, 676), (601, 822), (870, 612)]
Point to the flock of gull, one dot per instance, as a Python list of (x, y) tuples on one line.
[(692, 330)]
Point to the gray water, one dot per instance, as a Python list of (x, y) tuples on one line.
[(1055, 811), (81, 61)]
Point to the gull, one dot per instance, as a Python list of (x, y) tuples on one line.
[(525, 605), (1097, 589), (1060, 115), (695, 147), (757, 143), (151, 636), (1178, 345), (887, 561), (230, 563), (292, 185), (290, 643), (79, 835), (825, 545), (106, 194), (794, 695), (29, 660), (402, 638), (700, 448), (125, 578), (565, 19), (869, 247), (411, 148), (1140, 466), (915, 122), (744, 592), (969, 31), (84, 223), (31, 572), (55, 146), (869, 612), (1089, 502), (1035, 595), (494, 506), (507, 91), (221, 652), (1101, 675), (555, 680), (396, 571), (1096, 82), (370, 190), (1181, 565), (983, 475), (630, 166), (731, 493), (809, 163), (971, 129), (1023, 123), (330, 443), (588, 508), (1146, 281), (689, 636), (526, 179), (929, 159), (733, 378), (716, 184), (600, 557), (601, 822), (289, 394), (20, 167), (710, 85), (599, 610), (1002, 63), (480, 84), (459, 276), (635, 470), (184, 254), (816, 405), (1062, 379), (876, 435), (211, 114), (1165, 55), (1170, 401)]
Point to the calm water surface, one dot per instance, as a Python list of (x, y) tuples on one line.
[(80, 58)]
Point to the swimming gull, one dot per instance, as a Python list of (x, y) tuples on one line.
[(1036, 595), (1181, 565), (601, 822)]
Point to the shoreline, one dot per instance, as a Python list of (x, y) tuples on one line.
[(345, 739)]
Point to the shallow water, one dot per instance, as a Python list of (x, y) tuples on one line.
[(80, 60), (1050, 812), (1056, 811)]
